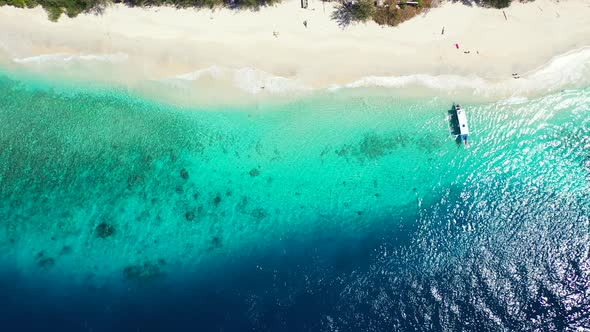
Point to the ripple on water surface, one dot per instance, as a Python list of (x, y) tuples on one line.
[(337, 212)]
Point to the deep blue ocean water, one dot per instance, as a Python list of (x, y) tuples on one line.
[(337, 211)]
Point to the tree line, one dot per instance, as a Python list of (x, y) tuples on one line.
[(71, 8), (390, 12)]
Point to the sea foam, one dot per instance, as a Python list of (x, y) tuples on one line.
[(60, 58), (247, 79), (566, 70), (571, 68)]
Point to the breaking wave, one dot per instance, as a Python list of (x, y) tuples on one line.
[(247, 79), (562, 71), (60, 58), (572, 68)]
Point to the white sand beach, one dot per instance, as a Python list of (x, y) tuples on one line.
[(163, 43)]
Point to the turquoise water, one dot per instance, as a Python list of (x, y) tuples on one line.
[(348, 210)]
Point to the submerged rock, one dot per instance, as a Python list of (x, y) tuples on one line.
[(104, 230)]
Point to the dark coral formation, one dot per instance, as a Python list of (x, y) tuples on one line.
[(173, 156), (217, 200), (66, 250), (242, 204), (104, 230), (428, 142), (190, 215), (184, 174), (258, 213), (254, 172), (344, 151), (373, 146), (15, 203), (46, 262), (142, 272), (135, 181), (216, 242)]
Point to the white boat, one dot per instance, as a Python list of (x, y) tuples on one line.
[(462, 123)]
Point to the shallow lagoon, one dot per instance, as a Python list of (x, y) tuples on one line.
[(333, 211)]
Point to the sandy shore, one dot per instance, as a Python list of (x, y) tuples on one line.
[(161, 43)]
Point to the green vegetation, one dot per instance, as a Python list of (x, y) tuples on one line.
[(497, 3), (199, 3), (391, 12), (19, 3), (55, 8), (394, 14), (362, 10)]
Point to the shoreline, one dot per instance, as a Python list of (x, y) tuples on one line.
[(209, 51)]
